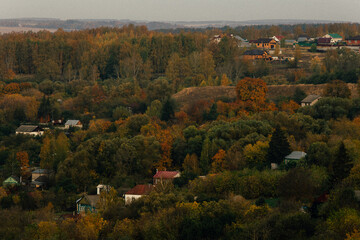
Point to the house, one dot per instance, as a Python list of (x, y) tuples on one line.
[(40, 177), (278, 38), (303, 38), (310, 100), (294, 156), (11, 181), (267, 43), (165, 176), (290, 42), (353, 41), (137, 192), (101, 187), (32, 130), (256, 54), (87, 204), (73, 123), (325, 42), (242, 42), (335, 37)]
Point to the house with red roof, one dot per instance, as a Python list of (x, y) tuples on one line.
[(162, 176), (137, 192)]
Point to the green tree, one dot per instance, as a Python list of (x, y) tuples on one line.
[(342, 164), (167, 111), (279, 146)]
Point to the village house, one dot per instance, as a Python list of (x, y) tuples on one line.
[(101, 188), (294, 156), (242, 42), (137, 192), (303, 38), (165, 176), (73, 123), (11, 181), (310, 100), (325, 42), (290, 42), (353, 41), (87, 204), (267, 43), (256, 54), (335, 37), (32, 130), (40, 177)]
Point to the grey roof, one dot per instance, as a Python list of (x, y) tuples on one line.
[(42, 171), (240, 39), (295, 155), (42, 179), (28, 128), (310, 98), (254, 52), (72, 122), (91, 199)]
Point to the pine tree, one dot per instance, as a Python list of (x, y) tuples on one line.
[(205, 156), (342, 164), (167, 111), (279, 146)]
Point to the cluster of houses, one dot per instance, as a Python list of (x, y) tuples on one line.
[(36, 130), (266, 46), (39, 179), (90, 203)]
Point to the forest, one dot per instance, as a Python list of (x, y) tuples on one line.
[(119, 83)]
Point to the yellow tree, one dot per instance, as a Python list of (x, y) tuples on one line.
[(191, 163), (218, 163), (225, 80)]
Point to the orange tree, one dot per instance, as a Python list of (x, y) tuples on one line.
[(252, 92)]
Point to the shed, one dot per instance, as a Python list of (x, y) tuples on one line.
[(165, 176)]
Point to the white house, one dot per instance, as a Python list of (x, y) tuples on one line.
[(334, 36), (310, 100), (73, 123), (137, 192), (101, 187), (30, 130)]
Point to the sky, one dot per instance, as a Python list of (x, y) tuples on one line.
[(183, 10)]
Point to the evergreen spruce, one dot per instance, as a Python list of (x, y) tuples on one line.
[(342, 164), (167, 111), (279, 146)]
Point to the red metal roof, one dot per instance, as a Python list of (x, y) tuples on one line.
[(166, 174), (140, 190)]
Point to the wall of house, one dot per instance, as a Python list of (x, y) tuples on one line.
[(130, 197)]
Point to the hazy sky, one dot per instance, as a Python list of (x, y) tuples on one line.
[(188, 10)]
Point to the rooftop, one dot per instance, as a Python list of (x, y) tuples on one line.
[(166, 174), (295, 155), (310, 98), (72, 122), (28, 128), (140, 190)]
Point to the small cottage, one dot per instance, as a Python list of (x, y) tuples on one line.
[(73, 123), (325, 42), (32, 130), (310, 100), (165, 176), (11, 181), (87, 204), (137, 192), (101, 188), (294, 156)]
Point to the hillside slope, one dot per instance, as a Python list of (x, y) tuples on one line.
[(190, 95)]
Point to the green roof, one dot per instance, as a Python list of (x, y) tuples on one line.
[(11, 181), (335, 35)]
